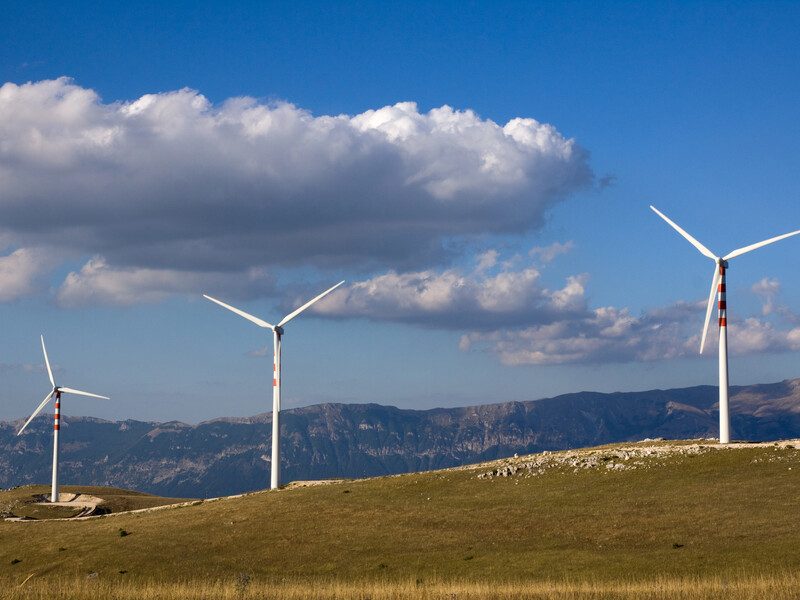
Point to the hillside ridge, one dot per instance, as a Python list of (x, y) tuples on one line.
[(227, 456)]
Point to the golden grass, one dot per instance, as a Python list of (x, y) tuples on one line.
[(774, 587)]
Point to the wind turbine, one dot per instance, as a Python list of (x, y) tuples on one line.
[(277, 332), (718, 287), (56, 391)]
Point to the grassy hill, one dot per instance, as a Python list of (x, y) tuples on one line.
[(656, 519), (27, 501)]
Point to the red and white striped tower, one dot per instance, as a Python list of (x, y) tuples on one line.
[(718, 289), (275, 480), (724, 418), (56, 427), (277, 333), (56, 391)]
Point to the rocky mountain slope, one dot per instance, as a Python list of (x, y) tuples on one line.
[(229, 456)]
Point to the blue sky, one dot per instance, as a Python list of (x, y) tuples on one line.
[(479, 174)]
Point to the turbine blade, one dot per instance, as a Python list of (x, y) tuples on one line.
[(691, 240), (241, 313), (714, 288), (292, 315), (47, 362), (71, 391), (36, 412), (741, 251)]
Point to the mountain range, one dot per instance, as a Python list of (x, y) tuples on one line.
[(232, 455)]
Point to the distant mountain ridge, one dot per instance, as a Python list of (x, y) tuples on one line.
[(232, 455)]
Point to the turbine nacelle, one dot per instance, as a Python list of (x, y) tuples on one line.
[(721, 261), (56, 391), (262, 323)]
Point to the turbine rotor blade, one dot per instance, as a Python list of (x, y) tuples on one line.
[(36, 412), (741, 251), (47, 362), (714, 289), (690, 239), (241, 313), (292, 315), (71, 391)]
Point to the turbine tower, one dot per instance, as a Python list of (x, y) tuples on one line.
[(718, 287), (277, 333), (56, 391)]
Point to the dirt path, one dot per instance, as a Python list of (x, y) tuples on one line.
[(89, 503)]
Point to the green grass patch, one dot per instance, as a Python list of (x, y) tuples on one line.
[(702, 519)]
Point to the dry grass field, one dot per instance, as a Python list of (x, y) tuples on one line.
[(651, 520)]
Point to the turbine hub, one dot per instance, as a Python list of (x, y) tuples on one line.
[(278, 330)]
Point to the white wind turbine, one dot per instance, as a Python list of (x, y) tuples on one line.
[(718, 286), (277, 332), (56, 391)]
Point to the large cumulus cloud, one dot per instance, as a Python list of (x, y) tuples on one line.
[(614, 335), (506, 310), (604, 335), (494, 293), (173, 182), (172, 194)]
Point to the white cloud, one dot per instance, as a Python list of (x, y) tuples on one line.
[(507, 311), (605, 335), (753, 336), (172, 183), (98, 283), (21, 273), (766, 287), (548, 253), (494, 294), (769, 291), (613, 335)]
